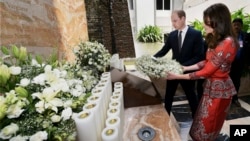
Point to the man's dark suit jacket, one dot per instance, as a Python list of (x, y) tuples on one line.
[(192, 48)]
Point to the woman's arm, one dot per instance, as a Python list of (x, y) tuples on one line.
[(196, 66), (171, 76)]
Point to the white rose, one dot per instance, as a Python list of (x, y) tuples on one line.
[(15, 70), (14, 111), (19, 138), (55, 118), (48, 68), (39, 136), (24, 82), (8, 131), (66, 113), (67, 103), (34, 63)]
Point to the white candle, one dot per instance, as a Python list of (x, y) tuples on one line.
[(113, 112), (100, 92), (95, 108), (106, 76), (105, 92), (97, 99), (115, 121), (107, 87), (115, 104), (118, 97), (116, 84), (110, 134), (86, 126)]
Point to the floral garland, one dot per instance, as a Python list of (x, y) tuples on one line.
[(157, 67), (39, 99)]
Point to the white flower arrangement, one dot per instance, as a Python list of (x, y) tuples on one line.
[(157, 67), (92, 56), (39, 99)]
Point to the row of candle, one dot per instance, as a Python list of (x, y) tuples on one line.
[(102, 118)]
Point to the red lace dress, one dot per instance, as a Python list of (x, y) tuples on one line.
[(218, 91)]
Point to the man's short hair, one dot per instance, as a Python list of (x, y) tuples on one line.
[(239, 20)]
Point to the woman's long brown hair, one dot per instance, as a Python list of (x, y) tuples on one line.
[(218, 17)]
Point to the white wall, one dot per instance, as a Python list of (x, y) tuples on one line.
[(196, 11), (145, 13)]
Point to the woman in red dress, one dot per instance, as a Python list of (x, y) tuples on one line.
[(219, 88)]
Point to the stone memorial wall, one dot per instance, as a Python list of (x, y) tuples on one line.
[(43, 26)]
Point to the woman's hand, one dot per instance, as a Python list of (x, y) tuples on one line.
[(184, 68), (170, 76)]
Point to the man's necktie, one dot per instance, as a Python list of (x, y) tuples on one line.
[(179, 40)]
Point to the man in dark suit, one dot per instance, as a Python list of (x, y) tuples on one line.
[(240, 60), (186, 44)]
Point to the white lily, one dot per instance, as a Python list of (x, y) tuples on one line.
[(48, 99)]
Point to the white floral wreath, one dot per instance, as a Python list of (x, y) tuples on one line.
[(157, 67)]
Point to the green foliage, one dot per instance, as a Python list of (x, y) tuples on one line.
[(19, 56), (198, 25), (150, 34)]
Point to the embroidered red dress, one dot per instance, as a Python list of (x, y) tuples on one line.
[(218, 91)]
